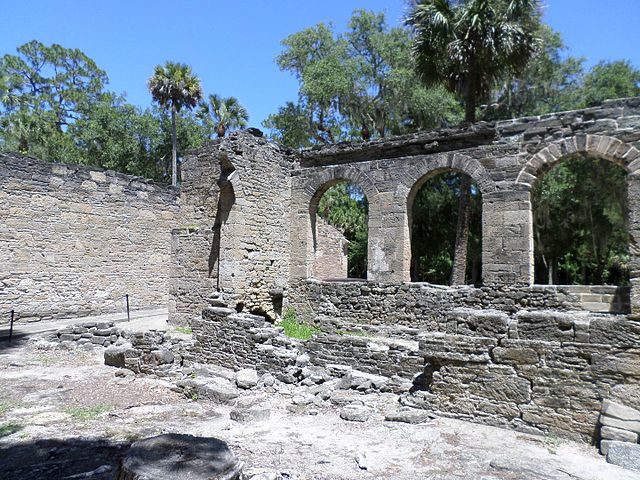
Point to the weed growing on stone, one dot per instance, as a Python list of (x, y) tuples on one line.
[(552, 442), (87, 413), (5, 406), (295, 329), (185, 330), (9, 428)]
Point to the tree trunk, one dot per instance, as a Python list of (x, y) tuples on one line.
[(462, 232), (174, 148)]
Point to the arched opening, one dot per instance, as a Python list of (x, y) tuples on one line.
[(339, 221), (438, 205), (580, 223)]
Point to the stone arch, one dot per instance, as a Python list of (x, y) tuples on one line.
[(322, 180), (427, 168), (317, 186), (605, 147), (602, 146)]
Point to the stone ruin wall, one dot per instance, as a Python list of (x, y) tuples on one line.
[(330, 259), (75, 240), (239, 190), (537, 358)]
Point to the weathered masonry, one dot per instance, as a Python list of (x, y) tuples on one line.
[(76, 240), (535, 357), (245, 231)]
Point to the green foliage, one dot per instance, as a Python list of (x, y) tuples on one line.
[(290, 126), (87, 413), (174, 86), (551, 82), (469, 46), (359, 84), (609, 80), (10, 428), (53, 106), (580, 227), (293, 328), (5, 406), (223, 114), (345, 206), (434, 215), (185, 330)]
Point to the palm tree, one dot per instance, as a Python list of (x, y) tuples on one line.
[(226, 113), (174, 85), (469, 45)]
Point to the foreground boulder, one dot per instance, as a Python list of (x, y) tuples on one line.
[(179, 457)]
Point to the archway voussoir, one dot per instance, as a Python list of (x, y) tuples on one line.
[(612, 148), (633, 166), (622, 151), (631, 155), (592, 143), (581, 142), (568, 146), (526, 178), (555, 151)]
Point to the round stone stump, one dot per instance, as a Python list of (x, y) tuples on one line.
[(179, 457)]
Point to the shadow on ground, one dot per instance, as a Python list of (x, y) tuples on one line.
[(49, 459), (17, 341)]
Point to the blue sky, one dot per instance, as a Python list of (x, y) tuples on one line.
[(231, 46)]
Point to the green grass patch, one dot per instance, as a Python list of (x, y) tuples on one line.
[(6, 405), (296, 329), (9, 428), (87, 413), (185, 330)]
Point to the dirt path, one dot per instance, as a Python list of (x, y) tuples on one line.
[(63, 414)]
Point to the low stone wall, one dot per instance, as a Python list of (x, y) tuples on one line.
[(536, 371), (422, 305), (546, 371), (75, 240)]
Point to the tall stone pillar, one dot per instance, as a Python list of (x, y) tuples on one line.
[(507, 237), (633, 192)]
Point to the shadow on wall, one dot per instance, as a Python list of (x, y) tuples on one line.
[(226, 200)]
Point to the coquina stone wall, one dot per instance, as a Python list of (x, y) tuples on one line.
[(75, 240), (504, 159), (330, 252), (238, 192)]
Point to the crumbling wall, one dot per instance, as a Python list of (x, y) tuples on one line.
[(330, 252), (75, 240), (238, 190)]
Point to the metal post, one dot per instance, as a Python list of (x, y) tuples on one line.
[(11, 326), (128, 315)]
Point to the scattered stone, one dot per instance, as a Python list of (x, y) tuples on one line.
[(409, 415), (355, 413), (342, 397), (625, 455), (114, 356), (179, 457), (247, 378), (362, 460), (162, 356)]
